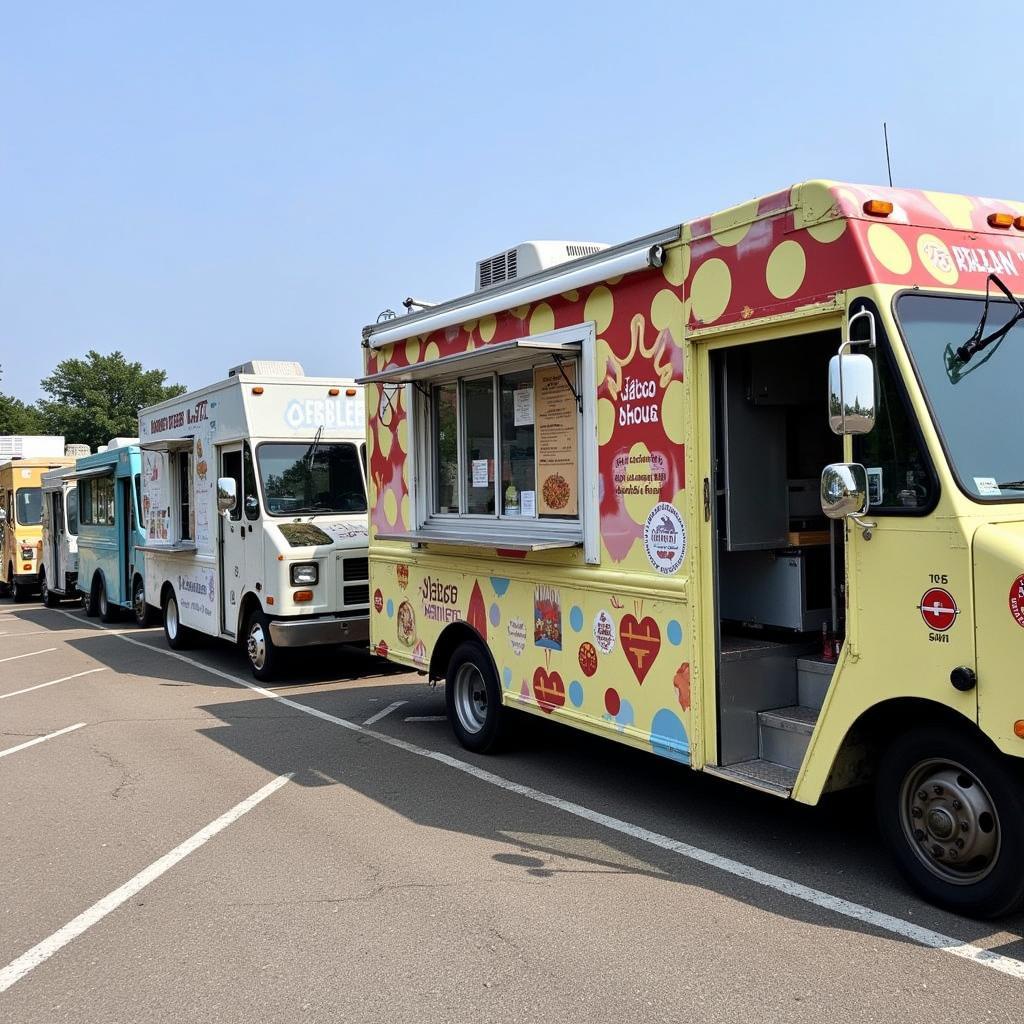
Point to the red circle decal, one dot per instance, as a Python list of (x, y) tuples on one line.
[(612, 702), (588, 659), (378, 600), (1017, 600), (938, 609)]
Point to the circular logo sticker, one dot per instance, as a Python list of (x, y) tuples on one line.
[(665, 538), (1017, 600), (378, 601), (938, 609)]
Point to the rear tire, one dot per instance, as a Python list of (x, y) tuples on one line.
[(179, 637), (108, 612), (91, 602), (263, 655), (46, 595), (19, 592), (472, 697), (142, 611), (951, 809)]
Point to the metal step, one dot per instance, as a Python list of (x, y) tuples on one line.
[(758, 774), (784, 733), (813, 677)]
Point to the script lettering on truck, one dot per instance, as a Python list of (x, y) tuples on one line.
[(199, 413), (440, 600)]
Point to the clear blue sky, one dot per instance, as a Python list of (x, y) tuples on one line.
[(199, 184)]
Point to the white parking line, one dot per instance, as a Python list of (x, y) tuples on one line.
[(845, 908), (31, 654), (42, 951), (384, 712), (40, 739), (427, 718), (53, 682)]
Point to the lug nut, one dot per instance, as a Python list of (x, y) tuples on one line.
[(916, 812), (918, 834), (959, 843), (938, 790), (922, 795), (957, 805), (937, 850), (964, 827), (953, 854)]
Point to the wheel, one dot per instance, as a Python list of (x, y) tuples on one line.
[(259, 647), (108, 612), (91, 600), (46, 595), (20, 592), (179, 637), (951, 809), (142, 610), (473, 699)]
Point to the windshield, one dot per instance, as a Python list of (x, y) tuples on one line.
[(974, 404), (28, 503), (293, 486)]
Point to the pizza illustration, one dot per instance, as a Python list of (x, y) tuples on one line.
[(556, 491), (406, 623), (588, 659)]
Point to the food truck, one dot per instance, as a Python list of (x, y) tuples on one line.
[(745, 493), (254, 505), (21, 509), (111, 533), (58, 549)]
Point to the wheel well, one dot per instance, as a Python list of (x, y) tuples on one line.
[(166, 591), (453, 635), (249, 602)]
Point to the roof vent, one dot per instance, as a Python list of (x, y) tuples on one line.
[(268, 368), (76, 451), (530, 258)]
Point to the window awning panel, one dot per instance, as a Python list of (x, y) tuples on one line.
[(487, 358), (169, 444), (482, 537), (91, 474)]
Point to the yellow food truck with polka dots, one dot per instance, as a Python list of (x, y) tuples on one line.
[(745, 493)]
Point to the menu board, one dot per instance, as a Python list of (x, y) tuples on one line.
[(557, 443), (156, 513)]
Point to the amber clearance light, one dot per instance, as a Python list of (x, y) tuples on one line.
[(1000, 220), (334, 392), (1018, 728), (257, 391), (301, 596), (878, 207), (1018, 223)]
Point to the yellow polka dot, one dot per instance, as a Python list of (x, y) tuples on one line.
[(571, 296), (520, 311), (829, 231), (786, 268), (672, 412), (599, 308), (406, 521), (890, 250), (487, 327), (469, 326), (677, 263), (723, 233), (666, 309), (710, 290), (638, 506), (412, 350), (605, 421), (542, 319), (956, 209), (935, 257), (390, 507), (403, 435), (432, 352), (613, 281), (384, 439)]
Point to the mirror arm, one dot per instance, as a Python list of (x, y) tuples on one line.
[(866, 528)]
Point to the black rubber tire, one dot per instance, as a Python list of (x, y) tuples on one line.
[(46, 595), (271, 658), (20, 594), (143, 613), (91, 601), (493, 733), (109, 612), (179, 637), (1000, 891)]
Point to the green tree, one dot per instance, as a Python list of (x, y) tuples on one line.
[(94, 399), (16, 417)]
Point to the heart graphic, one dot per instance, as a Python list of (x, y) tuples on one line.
[(641, 641), (549, 690)]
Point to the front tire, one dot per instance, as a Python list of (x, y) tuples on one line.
[(91, 601), (142, 611), (263, 655), (108, 612), (951, 809), (46, 595), (19, 592), (179, 637), (473, 699)]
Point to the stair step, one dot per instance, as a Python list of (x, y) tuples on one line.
[(792, 719), (766, 776), (813, 676), (784, 733)]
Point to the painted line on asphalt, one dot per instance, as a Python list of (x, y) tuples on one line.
[(42, 951), (32, 654), (383, 713), (797, 890), (40, 739), (53, 682), (427, 718)]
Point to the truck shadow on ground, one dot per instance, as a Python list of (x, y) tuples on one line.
[(833, 847)]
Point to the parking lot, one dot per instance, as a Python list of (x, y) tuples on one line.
[(178, 844)]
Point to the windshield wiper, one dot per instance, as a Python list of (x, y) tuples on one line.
[(313, 447), (1012, 485), (978, 341)]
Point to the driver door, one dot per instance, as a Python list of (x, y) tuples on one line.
[(232, 544)]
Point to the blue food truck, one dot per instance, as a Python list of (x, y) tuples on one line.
[(110, 573)]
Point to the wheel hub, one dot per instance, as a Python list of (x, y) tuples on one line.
[(470, 698), (256, 646)]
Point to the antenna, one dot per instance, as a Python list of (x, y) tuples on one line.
[(888, 164)]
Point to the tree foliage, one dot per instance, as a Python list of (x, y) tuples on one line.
[(18, 418), (93, 399)]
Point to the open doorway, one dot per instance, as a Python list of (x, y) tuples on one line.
[(779, 563)]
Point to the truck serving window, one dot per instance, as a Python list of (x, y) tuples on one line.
[(97, 501), (311, 479), (28, 504), (973, 404)]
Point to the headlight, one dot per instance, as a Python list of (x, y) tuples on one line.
[(305, 574)]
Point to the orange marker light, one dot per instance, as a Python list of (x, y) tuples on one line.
[(270, 600), (334, 392), (28, 566), (1018, 223), (878, 207), (1000, 220), (1018, 728), (257, 391), (351, 392), (302, 595)]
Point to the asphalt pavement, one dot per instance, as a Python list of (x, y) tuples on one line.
[(179, 844)]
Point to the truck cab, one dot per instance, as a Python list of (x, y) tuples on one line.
[(58, 549)]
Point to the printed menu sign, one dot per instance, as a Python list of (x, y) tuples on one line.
[(556, 443)]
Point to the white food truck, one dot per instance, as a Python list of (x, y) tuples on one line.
[(254, 504), (58, 556)]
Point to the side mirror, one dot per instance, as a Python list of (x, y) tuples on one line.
[(252, 505), (844, 490), (3, 515), (851, 394), (227, 494)]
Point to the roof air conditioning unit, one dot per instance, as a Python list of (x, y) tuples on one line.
[(76, 451), (530, 258), (268, 368)]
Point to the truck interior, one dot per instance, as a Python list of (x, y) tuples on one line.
[(779, 562)]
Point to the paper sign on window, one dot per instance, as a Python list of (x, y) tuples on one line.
[(556, 443)]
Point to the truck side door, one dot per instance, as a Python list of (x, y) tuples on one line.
[(232, 543)]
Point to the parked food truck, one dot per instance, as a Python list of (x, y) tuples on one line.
[(254, 505), (58, 549), (21, 509), (745, 493), (111, 533)]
